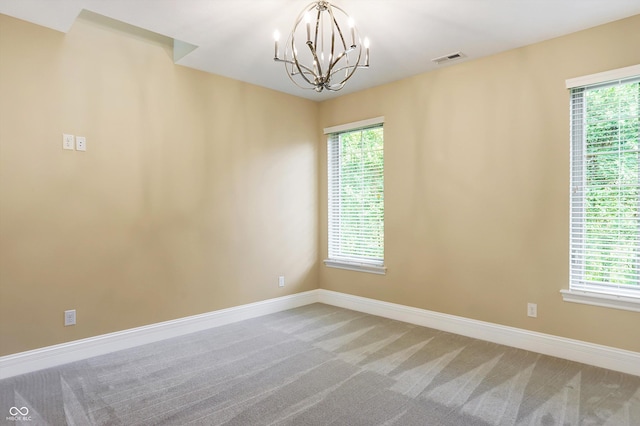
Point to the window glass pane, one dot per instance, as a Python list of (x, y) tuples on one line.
[(356, 196), (605, 214)]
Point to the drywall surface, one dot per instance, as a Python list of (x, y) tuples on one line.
[(194, 194), (477, 187)]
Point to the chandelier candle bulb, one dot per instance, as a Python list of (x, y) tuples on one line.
[(276, 37), (366, 52), (352, 26), (307, 20)]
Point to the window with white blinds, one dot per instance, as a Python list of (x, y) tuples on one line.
[(605, 190), (356, 198)]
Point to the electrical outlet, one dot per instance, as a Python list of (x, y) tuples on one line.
[(68, 141), (281, 281), (532, 310), (81, 143), (70, 317)]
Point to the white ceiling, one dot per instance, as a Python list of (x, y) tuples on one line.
[(234, 37)]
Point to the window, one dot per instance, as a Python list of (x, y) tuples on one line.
[(605, 190), (356, 196)]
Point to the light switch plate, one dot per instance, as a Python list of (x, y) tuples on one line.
[(67, 141)]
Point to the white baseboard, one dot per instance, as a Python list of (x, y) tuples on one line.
[(574, 350), (51, 356), (561, 347)]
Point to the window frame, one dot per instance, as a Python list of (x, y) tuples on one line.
[(342, 263), (588, 293)]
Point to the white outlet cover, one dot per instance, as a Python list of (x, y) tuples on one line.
[(67, 141), (81, 143), (70, 317)]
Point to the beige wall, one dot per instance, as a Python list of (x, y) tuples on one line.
[(195, 192), (477, 186)]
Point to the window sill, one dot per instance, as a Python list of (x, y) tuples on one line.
[(601, 299), (358, 267)]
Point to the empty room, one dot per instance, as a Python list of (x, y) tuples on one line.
[(295, 212)]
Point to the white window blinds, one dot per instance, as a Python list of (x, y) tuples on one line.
[(356, 196), (605, 188)]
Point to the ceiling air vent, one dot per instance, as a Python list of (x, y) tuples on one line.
[(448, 58)]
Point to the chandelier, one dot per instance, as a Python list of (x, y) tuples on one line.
[(320, 54)]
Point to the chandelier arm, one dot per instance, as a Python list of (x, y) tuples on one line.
[(343, 54), (313, 47), (335, 22), (330, 71), (315, 37), (297, 63), (345, 68), (302, 73), (315, 74), (286, 61), (335, 87), (333, 61), (306, 87), (344, 44), (342, 69), (343, 82), (298, 84), (348, 76), (307, 69), (295, 71), (316, 62), (290, 62)]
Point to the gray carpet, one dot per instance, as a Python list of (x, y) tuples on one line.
[(322, 365)]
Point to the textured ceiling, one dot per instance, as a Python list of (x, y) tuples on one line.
[(233, 38)]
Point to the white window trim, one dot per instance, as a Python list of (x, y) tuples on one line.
[(358, 267), (603, 77), (601, 299), (342, 264), (354, 126), (595, 298)]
